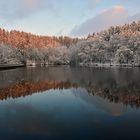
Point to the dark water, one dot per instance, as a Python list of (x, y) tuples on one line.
[(70, 103)]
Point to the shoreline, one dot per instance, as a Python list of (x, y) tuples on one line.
[(10, 66), (109, 65)]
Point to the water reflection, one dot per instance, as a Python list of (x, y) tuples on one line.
[(115, 85), (23, 89), (76, 103)]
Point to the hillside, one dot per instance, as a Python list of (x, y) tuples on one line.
[(27, 40), (18, 47), (119, 45)]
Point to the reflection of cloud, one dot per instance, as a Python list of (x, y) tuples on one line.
[(103, 104), (114, 16)]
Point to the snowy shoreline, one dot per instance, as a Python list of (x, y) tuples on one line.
[(108, 65), (10, 66), (90, 65)]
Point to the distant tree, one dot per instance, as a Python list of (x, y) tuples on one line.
[(8, 55), (124, 55)]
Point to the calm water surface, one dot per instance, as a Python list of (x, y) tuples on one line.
[(70, 103)]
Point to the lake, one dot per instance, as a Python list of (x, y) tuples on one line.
[(70, 103)]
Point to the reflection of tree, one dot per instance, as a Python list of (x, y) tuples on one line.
[(128, 95), (23, 89)]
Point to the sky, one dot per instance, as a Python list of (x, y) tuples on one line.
[(66, 17)]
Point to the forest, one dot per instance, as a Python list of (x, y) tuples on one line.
[(118, 45)]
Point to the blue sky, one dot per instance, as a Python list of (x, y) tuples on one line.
[(66, 17)]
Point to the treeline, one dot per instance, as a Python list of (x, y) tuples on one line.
[(27, 40), (18, 47), (117, 45)]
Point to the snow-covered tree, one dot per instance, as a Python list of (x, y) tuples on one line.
[(9, 55)]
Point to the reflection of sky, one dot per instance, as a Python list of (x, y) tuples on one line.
[(72, 111)]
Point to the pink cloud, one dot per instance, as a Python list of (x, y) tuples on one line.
[(115, 16)]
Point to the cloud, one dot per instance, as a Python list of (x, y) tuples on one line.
[(135, 2), (115, 16), (135, 17), (15, 9), (92, 3), (120, 1)]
